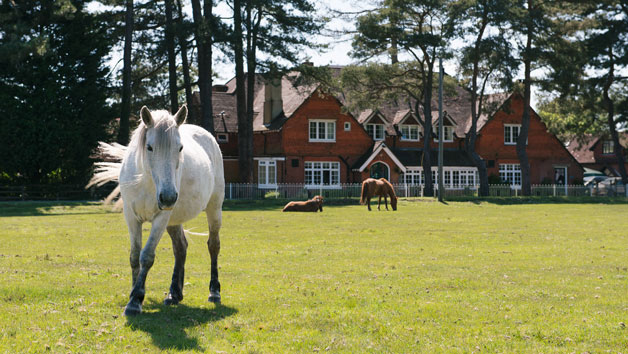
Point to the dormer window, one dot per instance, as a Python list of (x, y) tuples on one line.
[(448, 133), (410, 132), (376, 131), (608, 147)]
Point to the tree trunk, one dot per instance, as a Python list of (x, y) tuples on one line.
[(427, 128), (522, 140), (472, 134), (610, 120), (245, 158), (184, 62), (172, 58), (203, 44), (251, 59), (123, 133)]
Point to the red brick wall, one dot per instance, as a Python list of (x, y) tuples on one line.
[(350, 145), (230, 148), (544, 150)]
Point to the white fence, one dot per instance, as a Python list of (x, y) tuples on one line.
[(352, 191)]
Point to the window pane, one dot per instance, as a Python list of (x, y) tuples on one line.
[(272, 171), (321, 130), (262, 174), (312, 130), (331, 130)]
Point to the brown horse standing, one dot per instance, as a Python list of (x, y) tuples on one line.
[(315, 204), (380, 187)]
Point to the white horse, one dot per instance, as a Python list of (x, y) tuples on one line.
[(170, 173)]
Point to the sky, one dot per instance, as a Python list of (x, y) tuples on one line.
[(339, 46)]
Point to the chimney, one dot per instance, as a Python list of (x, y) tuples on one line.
[(273, 104), (219, 88)]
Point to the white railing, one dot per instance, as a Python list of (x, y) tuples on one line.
[(296, 191)]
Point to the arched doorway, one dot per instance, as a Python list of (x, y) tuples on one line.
[(380, 170)]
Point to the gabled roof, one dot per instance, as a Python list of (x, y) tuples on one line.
[(373, 152), (583, 148)]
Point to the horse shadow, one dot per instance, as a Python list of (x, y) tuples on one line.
[(167, 325)]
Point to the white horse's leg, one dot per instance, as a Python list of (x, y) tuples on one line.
[(147, 258), (214, 219), (179, 246), (135, 236)]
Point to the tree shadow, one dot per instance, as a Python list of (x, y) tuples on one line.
[(50, 208), (167, 324)]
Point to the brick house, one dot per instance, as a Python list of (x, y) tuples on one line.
[(302, 135), (598, 153)]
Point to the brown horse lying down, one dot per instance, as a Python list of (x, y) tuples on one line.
[(378, 187), (315, 204)]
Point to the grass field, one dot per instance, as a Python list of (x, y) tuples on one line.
[(463, 277)]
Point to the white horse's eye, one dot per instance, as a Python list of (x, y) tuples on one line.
[(149, 148), (181, 148)]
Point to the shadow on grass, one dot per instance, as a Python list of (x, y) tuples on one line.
[(46, 208), (276, 204), (541, 200), (167, 324)]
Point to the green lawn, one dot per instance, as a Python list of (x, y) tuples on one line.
[(463, 277)]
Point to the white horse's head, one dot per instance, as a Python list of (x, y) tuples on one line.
[(161, 148)]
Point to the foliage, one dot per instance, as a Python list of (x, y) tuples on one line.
[(344, 279), (53, 89)]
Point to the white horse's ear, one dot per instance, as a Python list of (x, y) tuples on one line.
[(147, 118), (181, 115)]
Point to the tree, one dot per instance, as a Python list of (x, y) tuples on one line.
[(418, 29), (280, 30), (485, 59), (53, 89), (204, 22), (594, 90), (172, 57), (123, 133)]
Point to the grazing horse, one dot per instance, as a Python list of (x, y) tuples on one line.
[(380, 187), (170, 173), (315, 204)]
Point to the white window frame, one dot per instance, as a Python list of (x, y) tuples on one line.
[(511, 173), (347, 126), (410, 127), (453, 177), (266, 165), (330, 126), (511, 139), (610, 144), (448, 133), (314, 168), (374, 126)]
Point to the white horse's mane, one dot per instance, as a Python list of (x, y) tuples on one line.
[(108, 171)]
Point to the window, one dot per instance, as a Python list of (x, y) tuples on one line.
[(267, 173), (511, 133), (608, 147), (510, 173), (410, 132), (376, 131), (322, 130), (448, 133), (347, 126), (222, 137), (322, 174), (411, 177)]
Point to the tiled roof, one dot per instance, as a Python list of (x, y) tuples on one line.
[(411, 157), (582, 148), (456, 105)]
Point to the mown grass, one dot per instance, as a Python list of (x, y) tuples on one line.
[(462, 277)]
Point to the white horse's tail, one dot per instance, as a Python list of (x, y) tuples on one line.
[(108, 171)]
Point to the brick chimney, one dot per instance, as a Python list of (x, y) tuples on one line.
[(273, 104)]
